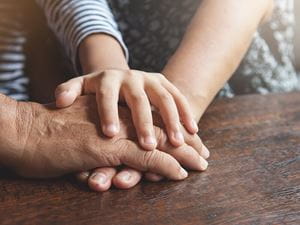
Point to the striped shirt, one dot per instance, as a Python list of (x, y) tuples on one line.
[(71, 21), (12, 58)]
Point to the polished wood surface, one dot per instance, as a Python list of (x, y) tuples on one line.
[(253, 178)]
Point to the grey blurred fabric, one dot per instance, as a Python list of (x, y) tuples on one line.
[(153, 29)]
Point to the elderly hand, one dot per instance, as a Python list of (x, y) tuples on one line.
[(50, 142), (101, 179)]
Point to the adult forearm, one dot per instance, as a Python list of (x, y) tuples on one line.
[(214, 44), (100, 52)]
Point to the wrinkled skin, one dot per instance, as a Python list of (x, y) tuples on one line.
[(54, 142)]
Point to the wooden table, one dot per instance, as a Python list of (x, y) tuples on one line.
[(253, 178)]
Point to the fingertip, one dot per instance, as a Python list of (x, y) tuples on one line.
[(177, 138), (183, 174), (110, 130), (148, 143), (191, 126), (205, 152), (99, 182), (203, 163), (65, 99), (194, 127), (101, 179), (126, 179)]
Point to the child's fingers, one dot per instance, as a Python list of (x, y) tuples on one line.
[(140, 108), (107, 96), (183, 107), (165, 103), (66, 93)]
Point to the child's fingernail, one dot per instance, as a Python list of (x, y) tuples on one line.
[(111, 129), (179, 137), (183, 173), (125, 176), (99, 178), (63, 93), (195, 126), (149, 140)]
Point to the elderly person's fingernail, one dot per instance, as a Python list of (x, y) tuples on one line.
[(203, 164), (125, 176), (183, 173), (99, 178), (179, 137), (149, 140), (205, 152), (111, 129), (195, 126)]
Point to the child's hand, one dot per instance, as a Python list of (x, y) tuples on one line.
[(139, 90)]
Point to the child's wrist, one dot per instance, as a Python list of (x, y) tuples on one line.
[(100, 52), (198, 101)]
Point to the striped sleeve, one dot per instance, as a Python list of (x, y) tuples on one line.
[(74, 20), (13, 81)]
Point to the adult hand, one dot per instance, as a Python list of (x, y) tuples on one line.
[(101, 179), (52, 142)]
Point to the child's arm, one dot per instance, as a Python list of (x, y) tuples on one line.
[(74, 20), (213, 47), (101, 51)]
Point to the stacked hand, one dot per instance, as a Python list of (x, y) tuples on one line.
[(52, 142), (139, 90)]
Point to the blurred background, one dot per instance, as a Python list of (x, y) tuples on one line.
[(297, 39)]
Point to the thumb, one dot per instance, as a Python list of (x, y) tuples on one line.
[(66, 93)]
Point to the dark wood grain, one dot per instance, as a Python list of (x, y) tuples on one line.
[(253, 178)]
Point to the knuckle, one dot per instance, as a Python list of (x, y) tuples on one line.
[(160, 76), (165, 97), (150, 159), (108, 156), (105, 73), (131, 73), (123, 146), (105, 92), (137, 97)]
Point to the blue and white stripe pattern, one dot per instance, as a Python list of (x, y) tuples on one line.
[(13, 82), (74, 20)]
